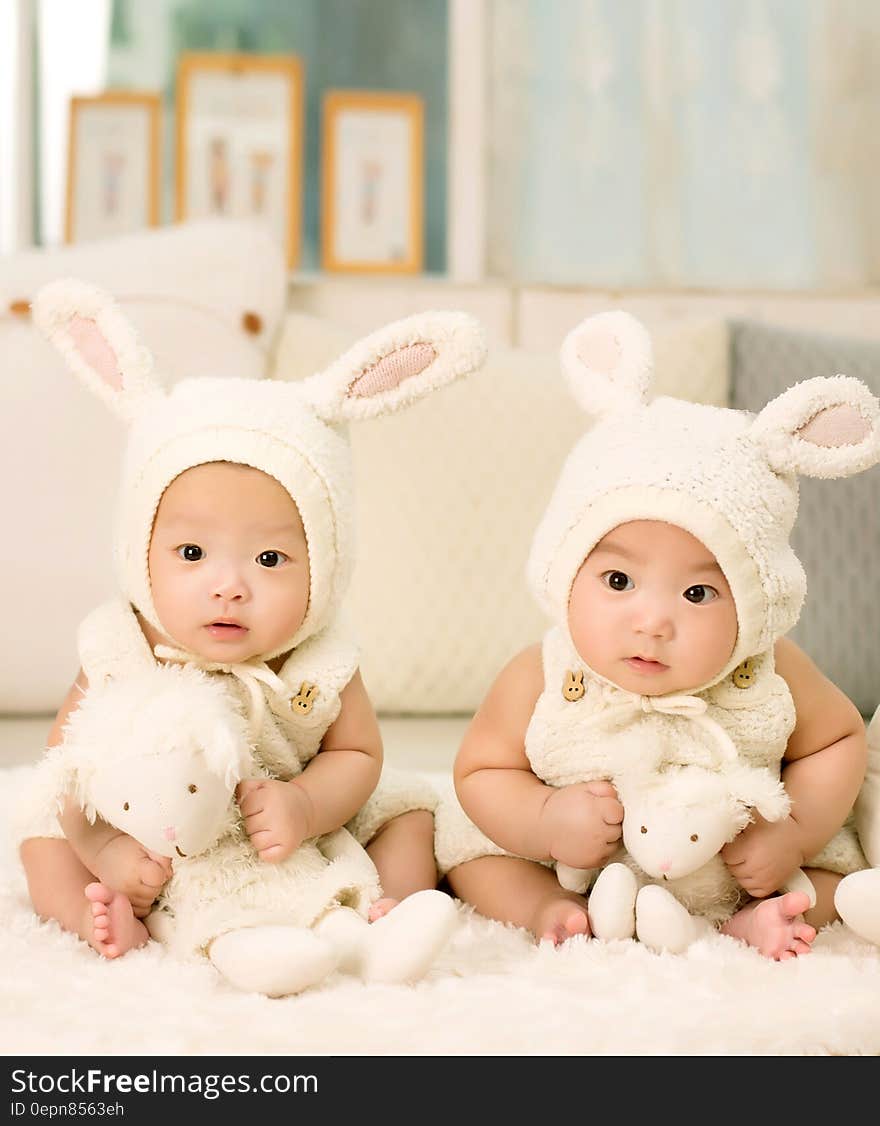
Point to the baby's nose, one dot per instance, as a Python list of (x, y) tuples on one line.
[(169, 833)]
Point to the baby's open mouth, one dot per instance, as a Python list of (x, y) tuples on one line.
[(226, 629)]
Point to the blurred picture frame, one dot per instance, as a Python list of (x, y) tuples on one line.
[(372, 182), (113, 164), (239, 140)]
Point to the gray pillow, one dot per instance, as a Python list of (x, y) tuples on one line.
[(837, 533)]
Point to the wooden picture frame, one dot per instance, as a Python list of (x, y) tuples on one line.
[(372, 182), (239, 140), (113, 164)]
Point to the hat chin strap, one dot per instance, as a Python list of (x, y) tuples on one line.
[(251, 673)]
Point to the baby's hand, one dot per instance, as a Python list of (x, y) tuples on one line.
[(583, 823), (124, 865), (277, 816), (763, 856)]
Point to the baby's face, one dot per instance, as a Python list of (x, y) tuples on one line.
[(651, 611), (229, 565)]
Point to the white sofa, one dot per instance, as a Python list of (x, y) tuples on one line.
[(448, 494)]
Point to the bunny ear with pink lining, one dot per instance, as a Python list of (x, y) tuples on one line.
[(822, 427), (608, 363), (98, 343), (396, 366)]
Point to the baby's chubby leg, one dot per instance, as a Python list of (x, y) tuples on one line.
[(58, 883), (403, 852), (521, 892)]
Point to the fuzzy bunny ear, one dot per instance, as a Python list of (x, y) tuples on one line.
[(823, 427), (227, 752), (758, 790), (608, 363), (97, 342), (396, 366)]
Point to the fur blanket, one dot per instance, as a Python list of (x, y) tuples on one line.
[(493, 992)]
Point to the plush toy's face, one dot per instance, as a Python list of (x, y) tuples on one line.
[(670, 838), (171, 803)]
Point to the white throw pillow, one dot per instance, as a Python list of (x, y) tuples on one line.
[(448, 495), (207, 299)]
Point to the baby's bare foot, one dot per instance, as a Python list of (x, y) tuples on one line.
[(115, 930), (560, 919), (775, 927), (381, 907)]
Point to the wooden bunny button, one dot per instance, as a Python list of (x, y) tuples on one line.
[(744, 674), (573, 685), (303, 700)]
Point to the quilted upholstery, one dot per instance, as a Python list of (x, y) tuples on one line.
[(837, 534)]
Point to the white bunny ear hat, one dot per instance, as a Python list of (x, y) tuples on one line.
[(726, 476), (295, 432)]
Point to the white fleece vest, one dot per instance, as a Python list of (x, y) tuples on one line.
[(578, 717), (112, 644)]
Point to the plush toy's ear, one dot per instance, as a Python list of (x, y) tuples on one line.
[(396, 366), (759, 790), (608, 363), (227, 752), (98, 343), (823, 427)]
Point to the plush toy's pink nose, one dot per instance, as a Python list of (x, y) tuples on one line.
[(169, 833), (664, 865)]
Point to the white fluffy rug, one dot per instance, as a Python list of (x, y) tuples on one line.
[(493, 993)]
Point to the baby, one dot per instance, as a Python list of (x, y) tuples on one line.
[(233, 551), (664, 563)]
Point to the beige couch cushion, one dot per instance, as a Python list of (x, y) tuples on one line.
[(448, 495), (207, 299)]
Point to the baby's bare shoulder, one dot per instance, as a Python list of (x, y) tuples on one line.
[(522, 677)]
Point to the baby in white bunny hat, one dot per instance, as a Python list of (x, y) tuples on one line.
[(663, 562), (233, 550)]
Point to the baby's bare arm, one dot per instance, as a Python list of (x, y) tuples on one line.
[(493, 776), (823, 768), (827, 753), (279, 816), (579, 824), (344, 773)]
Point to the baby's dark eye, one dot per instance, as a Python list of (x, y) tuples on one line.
[(271, 558), (193, 788), (191, 552), (700, 594), (618, 580), (125, 806), (695, 836)]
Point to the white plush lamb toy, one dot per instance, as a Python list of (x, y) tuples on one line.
[(857, 897), (158, 755), (669, 884)]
